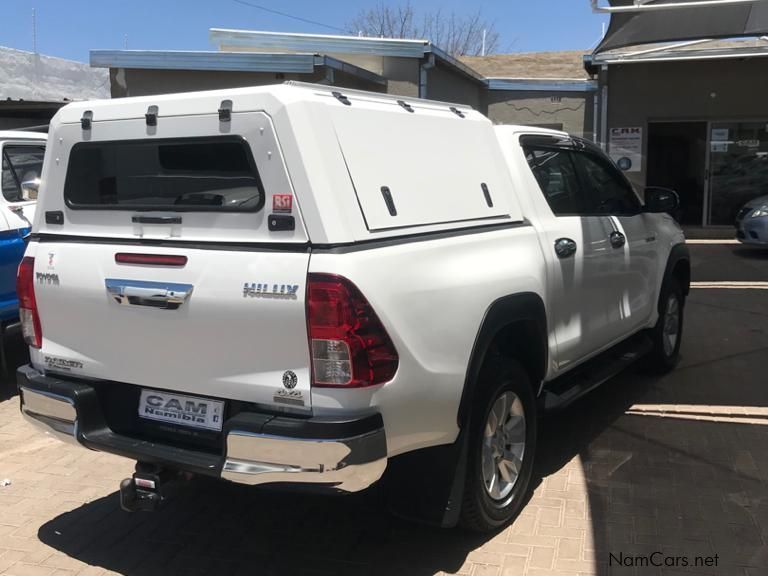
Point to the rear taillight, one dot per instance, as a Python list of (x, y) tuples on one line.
[(25, 288), (349, 345)]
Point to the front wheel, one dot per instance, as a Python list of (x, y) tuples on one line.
[(667, 335), (502, 447)]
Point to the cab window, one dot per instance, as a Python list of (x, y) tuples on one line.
[(20, 164)]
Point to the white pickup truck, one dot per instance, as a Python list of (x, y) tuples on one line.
[(304, 285)]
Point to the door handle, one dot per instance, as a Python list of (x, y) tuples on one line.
[(156, 219), (565, 247), (163, 295), (617, 239)]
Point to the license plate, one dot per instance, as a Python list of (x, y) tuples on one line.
[(183, 410)]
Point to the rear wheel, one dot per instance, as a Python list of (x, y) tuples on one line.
[(502, 447), (668, 333)]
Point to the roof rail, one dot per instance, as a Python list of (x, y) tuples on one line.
[(347, 92)]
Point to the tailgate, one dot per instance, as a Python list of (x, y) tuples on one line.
[(222, 314), (226, 324)]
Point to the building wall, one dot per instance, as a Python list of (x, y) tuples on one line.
[(450, 86), (402, 74), (569, 111), (704, 90), (15, 115), (143, 82)]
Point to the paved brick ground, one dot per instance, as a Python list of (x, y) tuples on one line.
[(677, 465)]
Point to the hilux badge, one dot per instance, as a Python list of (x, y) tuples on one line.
[(279, 291)]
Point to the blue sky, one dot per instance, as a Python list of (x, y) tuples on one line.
[(70, 28)]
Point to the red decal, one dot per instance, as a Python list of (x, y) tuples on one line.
[(282, 203)]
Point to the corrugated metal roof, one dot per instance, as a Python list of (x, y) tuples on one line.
[(336, 44), (324, 43), (705, 49), (211, 60)]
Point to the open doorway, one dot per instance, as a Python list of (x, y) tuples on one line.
[(677, 155)]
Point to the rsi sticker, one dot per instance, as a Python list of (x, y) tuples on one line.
[(284, 291), (53, 363), (282, 203)]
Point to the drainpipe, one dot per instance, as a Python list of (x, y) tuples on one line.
[(604, 102), (330, 78), (427, 64), (595, 112)]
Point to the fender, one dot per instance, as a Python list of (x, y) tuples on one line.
[(526, 307), (428, 485), (678, 253)]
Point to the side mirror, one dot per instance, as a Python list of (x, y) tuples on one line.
[(30, 188), (659, 200)]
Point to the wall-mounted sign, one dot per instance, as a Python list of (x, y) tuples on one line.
[(626, 148)]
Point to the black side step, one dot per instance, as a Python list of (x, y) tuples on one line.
[(563, 391)]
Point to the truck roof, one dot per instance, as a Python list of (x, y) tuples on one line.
[(362, 165), (21, 135), (242, 100), (529, 129)]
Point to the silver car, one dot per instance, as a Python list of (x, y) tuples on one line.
[(752, 222)]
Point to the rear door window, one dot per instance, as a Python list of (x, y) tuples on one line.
[(214, 174), (20, 164), (608, 190)]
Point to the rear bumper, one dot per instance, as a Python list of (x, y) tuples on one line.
[(343, 455)]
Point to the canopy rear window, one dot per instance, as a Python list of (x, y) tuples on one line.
[(215, 174)]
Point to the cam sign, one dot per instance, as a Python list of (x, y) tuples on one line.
[(626, 148)]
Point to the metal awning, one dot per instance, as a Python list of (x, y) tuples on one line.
[(299, 63), (227, 39), (635, 22)]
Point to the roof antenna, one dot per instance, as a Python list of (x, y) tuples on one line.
[(34, 31), (482, 51), (125, 41)]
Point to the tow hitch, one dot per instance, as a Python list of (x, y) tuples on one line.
[(148, 488)]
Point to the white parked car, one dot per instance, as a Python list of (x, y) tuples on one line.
[(306, 285), (752, 222), (22, 162)]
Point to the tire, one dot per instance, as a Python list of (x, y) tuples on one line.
[(486, 508), (667, 335)]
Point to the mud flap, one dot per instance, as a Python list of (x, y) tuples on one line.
[(427, 485)]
